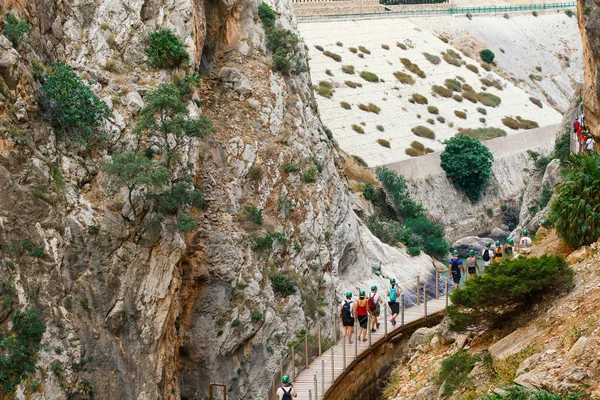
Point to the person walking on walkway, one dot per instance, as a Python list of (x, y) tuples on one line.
[(374, 307), (347, 316), (361, 308), (525, 241), (393, 293), (456, 266), (286, 391), (509, 247), (589, 143), (472, 267), (542, 232), (498, 252), (487, 255)]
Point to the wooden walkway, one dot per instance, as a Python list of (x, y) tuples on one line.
[(321, 367)]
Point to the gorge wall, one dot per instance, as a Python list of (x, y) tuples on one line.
[(589, 27), (160, 315)]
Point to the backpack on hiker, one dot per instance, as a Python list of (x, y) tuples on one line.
[(393, 294), (486, 255), (372, 303), (346, 313), (287, 395), (454, 265)]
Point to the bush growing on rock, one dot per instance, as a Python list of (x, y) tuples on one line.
[(14, 29), (282, 285), (516, 285), (369, 76), (433, 110), (442, 91), (467, 163), (487, 56), (165, 50), (562, 147), (575, 209), (268, 16), (483, 133), (455, 371), (435, 60), (283, 43), (70, 106), (417, 98), (404, 78), (423, 131)]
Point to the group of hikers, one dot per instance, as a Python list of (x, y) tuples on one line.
[(584, 137)]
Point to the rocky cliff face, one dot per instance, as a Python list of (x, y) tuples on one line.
[(161, 315), (589, 26)]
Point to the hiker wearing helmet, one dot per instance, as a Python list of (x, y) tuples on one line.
[(347, 316), (374, 308), (525, 239), (472, 267), (393, 293), (456, 266), (286, 391), (498, 252), (361, 308), (487, 255), (509, 247), (542, 232)]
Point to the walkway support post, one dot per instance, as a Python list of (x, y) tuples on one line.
[(425, 299), (323, 375), (447, 294), (402, 309), (319, 339), (309, 394), (418, 284), (344, 351), (385, 320), (355, 327), (332, 369), (293, 364), (369, 329), (316, 396), (437, 288), (306, 351)]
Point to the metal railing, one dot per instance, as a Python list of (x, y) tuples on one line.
[(312, 344), (425, 12)]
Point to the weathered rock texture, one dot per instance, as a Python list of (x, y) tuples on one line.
[(160, 315), (589, 26)]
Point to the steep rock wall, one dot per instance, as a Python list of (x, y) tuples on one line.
[(160, 315), (589, 26)]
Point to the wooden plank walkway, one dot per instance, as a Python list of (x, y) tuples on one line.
[(321, 366)]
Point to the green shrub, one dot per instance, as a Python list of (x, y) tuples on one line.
[(537, 102), (348, 69), (14, 29), (357, 128), (414, 68), (369, 76), (353, 49), (360, 161), (460, 114), (18, 349), (545, 197), (516, 284), (418, 99), (401, 45), (535, 77), (482, 120), (487, 56), (471, 96), (266, 242), (562, 146), (482, 110), (442, 91), (291, 167), (369, 108), (165, 50), (333, 56), (433, 110), (453, 85), (435, 60), (282, 285), (574, 211), (441, 119), (482, 133), (491, 83), (345, 105), (70, 106), (472, 68), (380, 128), (255, 214), (404, 78), (310, 175), (256, 316), (431, 121), (519, 123), (452, 57), (283, 43), (351, 84), (467, 164), (324, 90), (384, 143), (423, 131), (385, 47), (488, 99), (534, 13), (364, 50), (518, 392), (569, 13), (455, 371), (458, 98), (267, 15), (443, 39)]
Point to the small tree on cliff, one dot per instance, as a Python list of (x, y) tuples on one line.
[(487, 55), (467, 163), (135, 170)]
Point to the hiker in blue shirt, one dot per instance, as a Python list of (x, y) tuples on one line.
[(456, 267), (393, 293)]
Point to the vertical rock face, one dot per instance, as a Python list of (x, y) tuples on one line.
[(589, 25), (158, 314)]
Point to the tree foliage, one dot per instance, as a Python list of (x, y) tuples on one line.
[(518, 392), (18, 348), (455, 371), (487, 56), (14, 29), (515, 284), (562, 146), (467, 163), (576, 209), (69, 105), (165, 50), (267, 15)]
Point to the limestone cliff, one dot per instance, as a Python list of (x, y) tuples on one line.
[(589, 26), (160, 315)]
